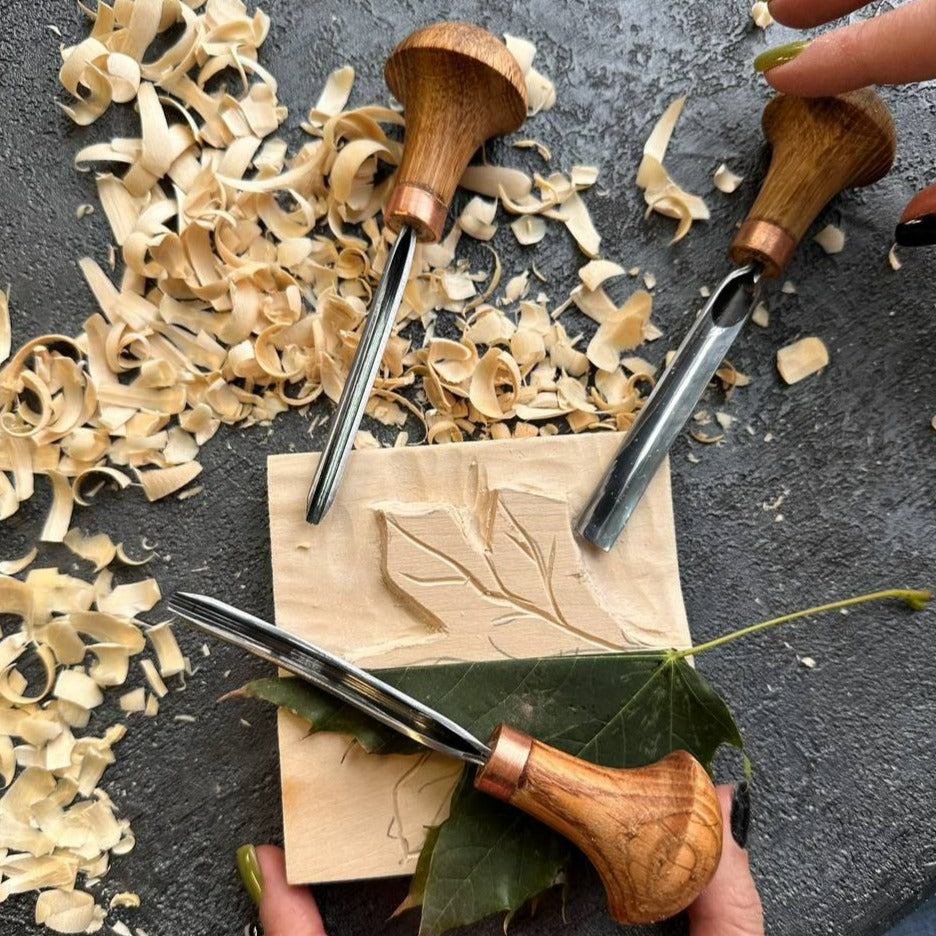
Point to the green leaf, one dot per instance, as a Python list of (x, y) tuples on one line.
[(488, 857), (620, 710), (324, 712)]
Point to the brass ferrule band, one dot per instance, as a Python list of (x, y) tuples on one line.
[(421, 210), (763, 242), (501, 775)]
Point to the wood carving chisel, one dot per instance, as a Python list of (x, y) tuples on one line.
[(653, 833), (460, 85)]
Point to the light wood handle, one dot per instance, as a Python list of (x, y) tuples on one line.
[(653, 833), (459, 86), (820, 147)]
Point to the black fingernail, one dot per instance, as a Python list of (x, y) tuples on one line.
[(920, 232), (741, 813)]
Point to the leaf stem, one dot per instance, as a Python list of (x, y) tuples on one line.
[(916, 598)]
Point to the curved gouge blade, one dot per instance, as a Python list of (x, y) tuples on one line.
[(669, 406), (653, 833)]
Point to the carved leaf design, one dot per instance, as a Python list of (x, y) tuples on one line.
[(511, 563)]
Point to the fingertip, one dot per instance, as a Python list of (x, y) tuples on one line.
[(730, 903), (285, 909)]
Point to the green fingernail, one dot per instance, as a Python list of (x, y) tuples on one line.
[(779, 55), (250, 872)]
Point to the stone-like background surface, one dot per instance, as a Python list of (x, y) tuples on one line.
[(845, 785)]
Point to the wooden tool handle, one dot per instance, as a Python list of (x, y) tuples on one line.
[(653, 833), (820, 147), (459, 86)]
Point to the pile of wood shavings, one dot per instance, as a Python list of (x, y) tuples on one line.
[(56, 822), (237, 287)]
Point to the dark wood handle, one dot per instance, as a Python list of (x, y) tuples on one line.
[(653, 833), (820, 147), (459, 86)]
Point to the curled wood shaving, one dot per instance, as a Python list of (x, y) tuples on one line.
[(799, 360), (528, 230), (892, 259), (661, 193), (12, 566), (831, 239), (760, 13), (725, 180), (161, 482), (98, 549), (541, 93), (621, 331), (171, 662)]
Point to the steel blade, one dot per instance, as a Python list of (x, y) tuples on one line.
[(357, 387), (669, 406), (330, 673)]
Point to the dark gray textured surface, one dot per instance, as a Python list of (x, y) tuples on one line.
[(845, 786)]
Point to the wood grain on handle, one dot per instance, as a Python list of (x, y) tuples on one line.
[(820, 146), (459, 86), (654, 833)]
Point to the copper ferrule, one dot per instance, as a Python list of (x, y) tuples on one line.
[(763, 242), (510, 751), (421, 210)]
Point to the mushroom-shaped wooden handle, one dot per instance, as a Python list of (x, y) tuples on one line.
[(820, 147), (653, 833), (459, 86)]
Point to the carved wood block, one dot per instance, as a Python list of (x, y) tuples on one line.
[(435, 554)]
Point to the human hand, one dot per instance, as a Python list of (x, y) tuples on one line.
[(895, 48), (729, 906)]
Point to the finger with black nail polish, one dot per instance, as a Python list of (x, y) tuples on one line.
[(741, 813), (917, 226)]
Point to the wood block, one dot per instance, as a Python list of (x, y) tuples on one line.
[(438, 553)]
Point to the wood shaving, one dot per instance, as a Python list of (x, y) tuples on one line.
[(544, 151), (725, 180), (477, 218), (171, 662), (99, 549), (154, 679), (799, 360), (761, 315), (541, 93), (831, 239), (12, 566), (528, 230), (66, 911), (760, 13), (134, 700), (892, 260), (661, 193), (161, 482), (622, 331), (788, 288)]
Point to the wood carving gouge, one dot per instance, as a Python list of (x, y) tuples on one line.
[(653, 833), (820, 146)]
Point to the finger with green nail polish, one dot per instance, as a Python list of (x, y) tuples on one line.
[(250, 872), (779, 55)]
